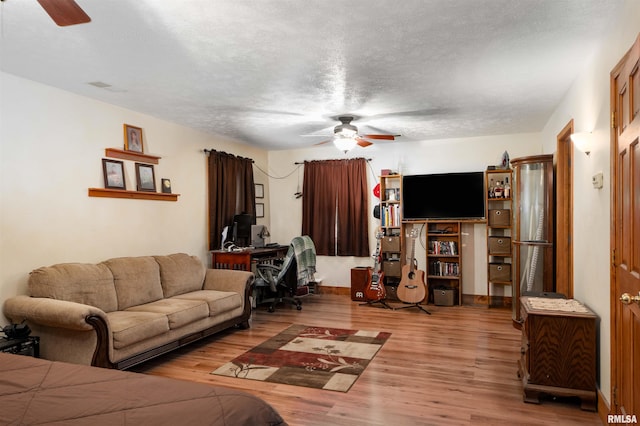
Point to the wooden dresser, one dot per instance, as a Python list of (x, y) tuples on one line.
[(558, 350)]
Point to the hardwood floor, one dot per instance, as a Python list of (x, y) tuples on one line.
[(454, 367)]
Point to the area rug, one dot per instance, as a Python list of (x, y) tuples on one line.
[(315, 357)]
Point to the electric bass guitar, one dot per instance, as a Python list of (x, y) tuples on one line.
[(412, 288), (375, 288)]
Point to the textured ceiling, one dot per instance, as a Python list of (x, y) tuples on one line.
[(273, 73)]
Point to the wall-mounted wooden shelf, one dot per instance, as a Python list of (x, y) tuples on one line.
[(138, 195), (131, 155)]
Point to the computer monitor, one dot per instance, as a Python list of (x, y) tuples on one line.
[(242, 229)]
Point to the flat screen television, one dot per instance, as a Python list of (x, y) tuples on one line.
[(443, 196)]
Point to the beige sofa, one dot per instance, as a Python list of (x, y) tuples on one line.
[(126, 310)]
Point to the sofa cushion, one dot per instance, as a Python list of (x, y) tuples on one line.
[(179, 311), (180, 273), (218, 301), (75, 282), (129, 327), (136, 279)]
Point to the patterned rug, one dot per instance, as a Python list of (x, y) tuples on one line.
[(315, 357)]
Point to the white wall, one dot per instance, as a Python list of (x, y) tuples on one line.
[(51, 147), (587, 102), (452, 155)]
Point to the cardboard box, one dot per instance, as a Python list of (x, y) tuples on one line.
[(390, 244), (445, 296), (392, 268), (499, 217), (500, 272), (499, 245), (392, 292)]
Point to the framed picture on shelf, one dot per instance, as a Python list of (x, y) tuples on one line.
[(166, 186), (113, 171), (259, 190), (145, 177), (259, 210), (133, 139)]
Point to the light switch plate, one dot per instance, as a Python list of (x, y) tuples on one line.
[(598, 180)]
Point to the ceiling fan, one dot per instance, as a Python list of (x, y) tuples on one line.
[(346, 137), (64, 12)]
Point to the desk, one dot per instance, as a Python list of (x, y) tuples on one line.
[(242, 260)]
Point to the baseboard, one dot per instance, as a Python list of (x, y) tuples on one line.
[(467, 299), (604, 409), (342, 291)]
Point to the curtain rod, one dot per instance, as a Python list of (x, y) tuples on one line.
[(209, 151), (298, 162)]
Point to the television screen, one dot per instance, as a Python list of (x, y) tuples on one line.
[(443, 196)]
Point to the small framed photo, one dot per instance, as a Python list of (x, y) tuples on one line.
[(259, 210), (166, 185), (133, 139), (259, 190), (145, 177), (113, 171)]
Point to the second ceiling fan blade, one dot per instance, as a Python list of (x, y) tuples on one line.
[(381, 137), (363, 143), (65, 12)]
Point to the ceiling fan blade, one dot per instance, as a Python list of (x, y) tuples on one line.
[(64, 12), (381, 137), (363, 143), (322, 143)]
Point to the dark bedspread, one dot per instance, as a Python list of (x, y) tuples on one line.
[(36, 392)]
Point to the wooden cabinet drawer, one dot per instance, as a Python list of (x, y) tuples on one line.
[(500, 272), (499, 245), (499, 217), (391, 244)]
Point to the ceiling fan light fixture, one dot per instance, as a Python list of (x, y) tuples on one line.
[(346, 130), (343, 143)]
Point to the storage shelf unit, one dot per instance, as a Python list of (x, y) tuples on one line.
[(499, 232), (391, 226), (444, 261)]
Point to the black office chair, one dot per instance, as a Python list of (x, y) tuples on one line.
[(289, 279)]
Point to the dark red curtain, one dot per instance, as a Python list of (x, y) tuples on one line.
[(231, 192), (334, 208)]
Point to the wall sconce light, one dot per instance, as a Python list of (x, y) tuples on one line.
[(583, 141)]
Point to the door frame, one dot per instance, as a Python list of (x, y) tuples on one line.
[(563, 162)]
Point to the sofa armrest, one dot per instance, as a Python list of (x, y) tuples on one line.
[(228, 280), (51, 312)]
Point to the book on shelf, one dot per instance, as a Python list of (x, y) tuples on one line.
[(444, 269), (390, 215), (443, 247)]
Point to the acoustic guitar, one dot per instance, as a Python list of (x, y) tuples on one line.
[(412, 288), (375, 290)]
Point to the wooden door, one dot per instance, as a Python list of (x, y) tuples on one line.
[(625, 232)]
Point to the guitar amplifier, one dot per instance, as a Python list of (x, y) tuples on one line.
[(359, 282)]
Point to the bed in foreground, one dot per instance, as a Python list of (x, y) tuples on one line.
[(36, 391)]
